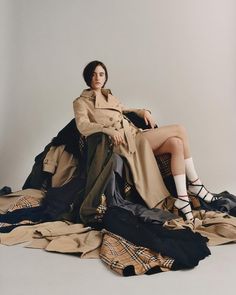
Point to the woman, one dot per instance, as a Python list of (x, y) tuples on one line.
[(97, 110)]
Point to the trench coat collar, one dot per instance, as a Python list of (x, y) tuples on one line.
[(90, 93), (111, 102)]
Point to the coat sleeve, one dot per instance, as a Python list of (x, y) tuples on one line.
[(139, 112), (52, 158), (84, 124)]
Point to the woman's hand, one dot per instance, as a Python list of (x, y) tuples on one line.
[(118, 138), (149, 119)]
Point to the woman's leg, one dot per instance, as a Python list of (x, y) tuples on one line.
[(158, 141), (158, 136), (174, 146)]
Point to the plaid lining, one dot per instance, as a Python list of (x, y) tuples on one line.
[(120, 255), (127, 188), (101, 209), (163, 162), (24, 202)]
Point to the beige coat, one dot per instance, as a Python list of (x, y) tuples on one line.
[(96, 114), (61, 164), (57, 161)]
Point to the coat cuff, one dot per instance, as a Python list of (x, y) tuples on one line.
[(49, 166)]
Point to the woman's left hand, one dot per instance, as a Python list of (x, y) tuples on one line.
[(149, 119)]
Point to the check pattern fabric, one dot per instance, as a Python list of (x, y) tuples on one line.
[(127, 259), (24, 202), (163, 162)]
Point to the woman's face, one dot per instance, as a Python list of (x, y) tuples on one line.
[(98, 78)]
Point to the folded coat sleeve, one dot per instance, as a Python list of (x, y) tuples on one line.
[(84, 124)]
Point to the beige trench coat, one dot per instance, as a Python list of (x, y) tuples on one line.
[(61, 164), (96, 114)]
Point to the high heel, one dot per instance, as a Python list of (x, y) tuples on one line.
[(184, 207), (201, 187)]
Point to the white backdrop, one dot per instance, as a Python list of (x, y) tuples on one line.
[(177, 58)]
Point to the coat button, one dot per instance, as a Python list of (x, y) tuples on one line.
[(111, 119)]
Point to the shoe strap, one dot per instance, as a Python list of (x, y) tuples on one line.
[(192, 182)]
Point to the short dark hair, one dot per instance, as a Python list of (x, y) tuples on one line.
[(89, 70)]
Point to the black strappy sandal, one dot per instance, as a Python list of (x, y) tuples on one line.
[(201, 186), (181, 209)]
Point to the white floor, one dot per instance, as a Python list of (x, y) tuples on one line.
[(32, 271)]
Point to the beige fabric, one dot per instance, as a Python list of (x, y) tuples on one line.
[(57, 236), (8, 202), (96, 114), (146, 176), (61, 164), (219, 228)]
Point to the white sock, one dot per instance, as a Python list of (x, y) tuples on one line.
[(180, 184), (190, 169), (193, 177)]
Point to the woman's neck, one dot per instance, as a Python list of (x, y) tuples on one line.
[(97, 91)]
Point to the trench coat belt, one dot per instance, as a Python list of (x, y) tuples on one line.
[(129, 136)]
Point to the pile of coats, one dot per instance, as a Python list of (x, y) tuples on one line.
[(78, 188)]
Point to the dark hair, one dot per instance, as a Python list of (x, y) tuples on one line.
[(89, 70)]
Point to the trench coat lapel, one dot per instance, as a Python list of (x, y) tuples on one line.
[(109, 103)]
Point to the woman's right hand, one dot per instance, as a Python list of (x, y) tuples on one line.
[(118, 138), (149, 119)]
